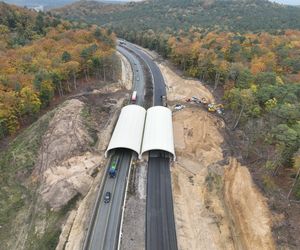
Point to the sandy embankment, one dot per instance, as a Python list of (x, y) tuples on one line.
[(216, 204)]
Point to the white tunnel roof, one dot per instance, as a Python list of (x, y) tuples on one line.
[(128, 132), (158, 133)]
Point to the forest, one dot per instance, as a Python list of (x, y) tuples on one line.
[(42, 57), (259, 75), (236, 16), (247, 50), (237, 47)]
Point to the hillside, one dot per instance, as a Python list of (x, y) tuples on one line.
[(249, 53), (19, 26), (241, 16), (41, 58)]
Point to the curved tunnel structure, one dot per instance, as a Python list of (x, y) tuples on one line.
[(128, 132), (143, 131), (158, 133)]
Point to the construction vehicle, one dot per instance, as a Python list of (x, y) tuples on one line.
[(164, 100), (219, 108), (113, 169), (197, 100)]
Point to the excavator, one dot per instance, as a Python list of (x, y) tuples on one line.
[(219, 108), (211, 107)]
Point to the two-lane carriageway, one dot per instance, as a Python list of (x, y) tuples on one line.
[(138, 75), (160, 223), (106, 223), (104, 231), (159, 85)]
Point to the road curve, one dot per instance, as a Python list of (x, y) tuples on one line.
[(158, 80), (138, 75)]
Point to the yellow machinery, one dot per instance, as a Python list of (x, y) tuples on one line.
[(212, 107)]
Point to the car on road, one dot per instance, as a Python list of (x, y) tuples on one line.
[(107, 197)]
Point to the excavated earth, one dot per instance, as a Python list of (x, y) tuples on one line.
[(216, 203)]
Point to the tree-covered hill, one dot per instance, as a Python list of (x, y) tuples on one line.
[(42, 57), (241, 16), (249, 50), (18, 26)]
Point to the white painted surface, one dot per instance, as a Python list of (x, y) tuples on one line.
[(128, 132), (143, 131), (158, 133)]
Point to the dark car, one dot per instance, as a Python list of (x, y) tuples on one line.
[(107, 197)]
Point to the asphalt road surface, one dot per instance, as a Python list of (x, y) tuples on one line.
[(105, 233), (105, 229), (159, 83), (138, 75), (160, 227), (160, 223)]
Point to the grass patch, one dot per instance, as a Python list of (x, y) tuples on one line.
[(297, 190), (214, 182), (16, 165), (269, 185), (89, 124), (49, 239)]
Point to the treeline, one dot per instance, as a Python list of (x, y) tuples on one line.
[(260, 77), (31, 75), (230, 15)]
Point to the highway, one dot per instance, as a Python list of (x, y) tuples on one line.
[(138, 75), (106, 224), (104, 230), (160, 219), (158, 80), (160, 223)]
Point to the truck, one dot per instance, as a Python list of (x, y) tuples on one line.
[(164, 100), (133, 97), (113, 169)]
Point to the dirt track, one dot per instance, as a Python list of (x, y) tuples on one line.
[(216, 204)]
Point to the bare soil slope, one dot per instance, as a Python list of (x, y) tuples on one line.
[(247, 208), (213, 201)]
